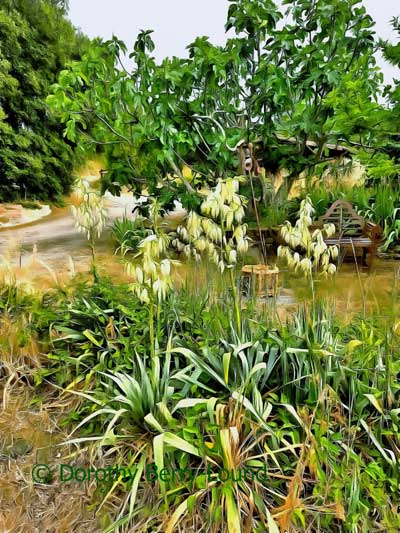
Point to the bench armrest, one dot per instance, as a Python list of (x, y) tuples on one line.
[(374, 231)]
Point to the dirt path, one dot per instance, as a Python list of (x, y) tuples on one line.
[(56, 237)]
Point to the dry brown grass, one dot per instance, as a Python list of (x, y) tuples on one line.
[(32, 431), (29, 432)]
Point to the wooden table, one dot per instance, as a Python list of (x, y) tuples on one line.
[(264, 279)]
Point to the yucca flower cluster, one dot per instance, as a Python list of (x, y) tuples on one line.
[(306, 251), (223, 211), (153, 278), (90, 215)]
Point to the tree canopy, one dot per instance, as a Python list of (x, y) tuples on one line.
[(36, 43), (313, 78)]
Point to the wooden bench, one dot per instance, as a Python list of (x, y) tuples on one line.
[(352, 230)]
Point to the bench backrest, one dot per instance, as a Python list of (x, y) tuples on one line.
[(345, 219)]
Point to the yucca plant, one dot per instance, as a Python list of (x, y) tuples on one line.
[(90, 217), (227, 472), (306, 250), (219, 234), (130, 412), (153, 279), (128, 233), (316, 401), (228, 367), (135, 400)]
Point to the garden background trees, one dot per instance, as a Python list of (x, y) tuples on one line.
[(36, 42)]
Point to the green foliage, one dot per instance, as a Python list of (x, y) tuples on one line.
[(272, 216), (380, 147), (391, 53), (312, 407), (384, 209), (36, 43), (266, 82), (102, 326), (27, 204), (184, 379), (128, 233)]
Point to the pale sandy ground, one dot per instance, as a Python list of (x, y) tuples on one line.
[(56, 238), (52, 233)]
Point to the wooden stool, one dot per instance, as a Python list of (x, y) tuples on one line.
[(263, 279)]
